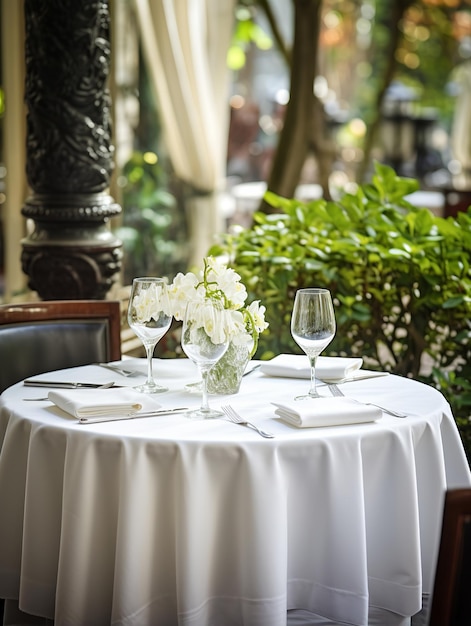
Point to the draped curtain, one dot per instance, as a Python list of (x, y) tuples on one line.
[(185, 44), (461, 131)]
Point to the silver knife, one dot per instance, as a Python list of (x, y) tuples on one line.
[(252, 369), (59, 384), (112, 418)]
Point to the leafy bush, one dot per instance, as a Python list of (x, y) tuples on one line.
[(400, 278)]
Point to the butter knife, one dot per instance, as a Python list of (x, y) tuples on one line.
[(113, 418), (59, 384)]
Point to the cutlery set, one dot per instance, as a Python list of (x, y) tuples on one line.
[(60, 384), (228, 410)]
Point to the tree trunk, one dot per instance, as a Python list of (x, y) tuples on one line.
[(322, 146), (294, 141), (392, 21)]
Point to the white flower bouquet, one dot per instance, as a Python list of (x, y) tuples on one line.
[(241, 323)]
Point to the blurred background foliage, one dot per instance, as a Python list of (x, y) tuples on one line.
[(376, 58), (153, 236), (383, 69), (153, 225)]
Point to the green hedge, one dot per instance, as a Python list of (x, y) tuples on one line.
[(400, 278)]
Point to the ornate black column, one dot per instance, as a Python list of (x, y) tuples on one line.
[(71, 252)]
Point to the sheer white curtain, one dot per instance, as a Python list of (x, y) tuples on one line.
[(185, 43), (461, 132)]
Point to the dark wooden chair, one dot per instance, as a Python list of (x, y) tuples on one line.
[(451, 600), (39, 337)]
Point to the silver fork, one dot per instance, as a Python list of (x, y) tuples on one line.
[(234, 417), (335, 391), (118, 369)]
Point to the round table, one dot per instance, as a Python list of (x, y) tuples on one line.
[(167, 520)]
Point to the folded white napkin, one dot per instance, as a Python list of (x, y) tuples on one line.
[(98, 402), (328, 368), (315, 412)]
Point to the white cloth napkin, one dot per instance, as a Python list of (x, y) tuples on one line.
[(98, 402), (315, 412), (328, 368)]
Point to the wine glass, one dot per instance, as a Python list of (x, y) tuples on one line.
[(149, 317), (204, 341), (312, 327)]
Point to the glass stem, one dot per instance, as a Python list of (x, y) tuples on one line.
[(204, 378), (150, 353), (312, 391)]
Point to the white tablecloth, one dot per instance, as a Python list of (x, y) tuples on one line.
[(167, 520)]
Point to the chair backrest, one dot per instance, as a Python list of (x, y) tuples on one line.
[(451, 600), (44, 336)]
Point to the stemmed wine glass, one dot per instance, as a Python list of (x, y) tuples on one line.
[(204, 341), (149, 317), (312, 327)]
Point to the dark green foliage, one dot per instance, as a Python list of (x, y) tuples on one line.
[(400, 278)]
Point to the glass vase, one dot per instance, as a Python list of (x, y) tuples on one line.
[(225, 377)]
